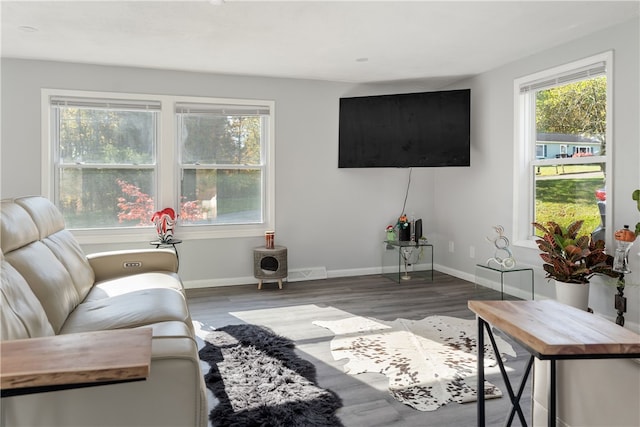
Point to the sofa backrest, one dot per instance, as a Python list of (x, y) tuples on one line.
[(60, 241), (22, 315), (35, 243)]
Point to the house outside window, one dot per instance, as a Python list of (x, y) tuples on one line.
[(111, 160), (567, 111)]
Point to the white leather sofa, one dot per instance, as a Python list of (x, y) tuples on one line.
[(49, 288)]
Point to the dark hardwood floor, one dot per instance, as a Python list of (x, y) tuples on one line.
[(366, 402)]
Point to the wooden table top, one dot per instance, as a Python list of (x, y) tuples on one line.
[(550, 328), (83, 358)]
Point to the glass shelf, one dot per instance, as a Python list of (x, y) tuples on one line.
[(411, 251), (504, 271)]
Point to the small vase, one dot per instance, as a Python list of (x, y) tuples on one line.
[(573, 294)]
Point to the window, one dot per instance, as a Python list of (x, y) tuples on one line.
[(104, 159), (563, 147), (111, 160), (222, 162)]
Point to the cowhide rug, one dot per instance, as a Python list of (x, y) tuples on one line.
[(429, 362), (258, 380)]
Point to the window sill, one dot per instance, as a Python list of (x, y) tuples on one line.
[(147, 234), (530, 244)]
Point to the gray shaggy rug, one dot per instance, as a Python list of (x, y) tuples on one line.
[(260, 381)]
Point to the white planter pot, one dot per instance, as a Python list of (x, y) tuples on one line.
[(573, 294)]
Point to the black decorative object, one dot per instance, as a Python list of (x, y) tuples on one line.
[(620, 301), (624, 238), (404, 233)]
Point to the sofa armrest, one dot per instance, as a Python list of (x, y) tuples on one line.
[(112, 264), (74, 360)]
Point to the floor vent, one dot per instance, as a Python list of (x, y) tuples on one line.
[(313, 273)]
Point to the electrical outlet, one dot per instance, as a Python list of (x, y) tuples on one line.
[(472, 252), (451, 248)]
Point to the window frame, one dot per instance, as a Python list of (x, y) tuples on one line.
[(167, 168), (184, 109), (525, 145)]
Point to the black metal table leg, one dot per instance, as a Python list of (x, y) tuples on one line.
[(480, 389), (552, 393), (515, 400), (514, 397)]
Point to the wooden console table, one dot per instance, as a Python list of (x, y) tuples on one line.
[(36, 365), (550, 331)]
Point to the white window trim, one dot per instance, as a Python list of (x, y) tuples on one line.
[(524, 154), (168, 185)]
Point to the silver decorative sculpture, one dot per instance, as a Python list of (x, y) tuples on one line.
[(502, 256)]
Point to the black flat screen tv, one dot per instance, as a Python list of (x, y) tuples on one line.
[(427, 129)]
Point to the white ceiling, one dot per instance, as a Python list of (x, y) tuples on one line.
[(357, 41)]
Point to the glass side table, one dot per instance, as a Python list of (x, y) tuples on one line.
[(503, 272), (408, 254)]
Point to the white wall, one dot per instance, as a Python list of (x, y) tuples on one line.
[(334, 218), (478, 198), (327, 217), (469, 202)]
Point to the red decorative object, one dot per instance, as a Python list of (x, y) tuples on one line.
[(164, 220)]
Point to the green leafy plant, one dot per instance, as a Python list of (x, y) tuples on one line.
[(571, 258)]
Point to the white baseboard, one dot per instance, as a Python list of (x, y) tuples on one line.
[(313, 273), (455, 273), (216, 283)]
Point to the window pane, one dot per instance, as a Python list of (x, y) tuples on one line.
[(567, 193), (215, 139), (104, 198), (106, 136), (571, 119), (221, 196), (571, 123)]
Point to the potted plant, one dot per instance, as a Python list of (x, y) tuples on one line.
[(572, 260)]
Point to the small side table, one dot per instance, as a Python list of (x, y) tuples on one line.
[(505, 271), (168, 244), (400, 246), (270, 264)]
